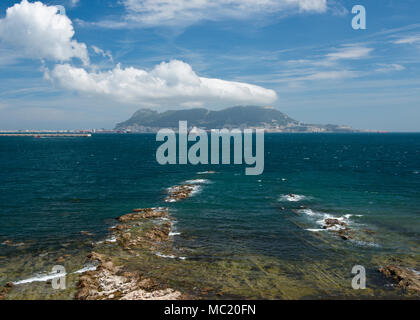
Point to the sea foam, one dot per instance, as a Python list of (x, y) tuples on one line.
[(169, 256), (292, 197), (44, 277), (198, 181)]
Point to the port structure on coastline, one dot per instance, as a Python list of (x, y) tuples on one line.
[(44, 135)]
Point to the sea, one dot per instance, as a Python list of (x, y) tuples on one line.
[(237, 236)]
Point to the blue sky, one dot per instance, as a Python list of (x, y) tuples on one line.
[(300, 56)]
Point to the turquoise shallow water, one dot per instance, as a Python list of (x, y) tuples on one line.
[(52, 189)]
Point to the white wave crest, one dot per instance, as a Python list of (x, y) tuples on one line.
[(198, 181), (169, 256), (292, 197), (44, 277), (41, 277), (315, 230)]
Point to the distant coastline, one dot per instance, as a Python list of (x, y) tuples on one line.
[(90, 133), (45, 135), (238, 117)]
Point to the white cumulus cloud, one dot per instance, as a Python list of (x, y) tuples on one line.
[(169, 84), (39, 31)]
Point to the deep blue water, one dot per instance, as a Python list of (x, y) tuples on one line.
[(52, 189)]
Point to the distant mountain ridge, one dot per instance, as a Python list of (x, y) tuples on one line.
[(146, 120)]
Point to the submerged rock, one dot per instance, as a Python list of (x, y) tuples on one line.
[(3, 292), (369, 231), (345, 234), (406, 278), (10, 243)]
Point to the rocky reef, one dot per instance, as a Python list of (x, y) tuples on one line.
[(340, 228), (405, 278), (147, 213), (143, 230), (111, 282), (138, 260), (181, 192)]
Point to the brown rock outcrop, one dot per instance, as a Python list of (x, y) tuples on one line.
[(109, 282), (177, 193), (148, 213), (137, 231), (406, 278), (3, 293), (340, 228)]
